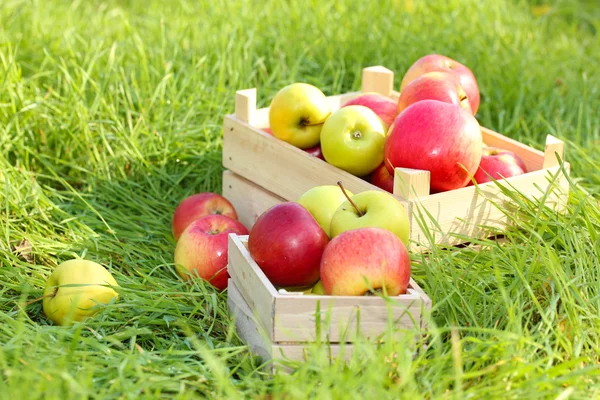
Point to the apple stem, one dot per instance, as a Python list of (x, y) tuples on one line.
[(42, 298), (360, 213)]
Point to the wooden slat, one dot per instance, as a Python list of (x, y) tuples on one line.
[(533, 159), (553, 148), (248, 199), (279, 167), (465, 211), (245, 105), (254, 286), (411, 183), (377, 79)]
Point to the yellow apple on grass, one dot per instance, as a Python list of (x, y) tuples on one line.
[(297, 113), (75, 289), (321, 202), (353, 139)]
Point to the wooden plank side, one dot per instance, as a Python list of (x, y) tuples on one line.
[(469, 210), (258, 294), (279, 167), (248, 199), (533, 159)]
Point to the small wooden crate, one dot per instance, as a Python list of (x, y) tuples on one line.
[(277, 325), (262, 171)]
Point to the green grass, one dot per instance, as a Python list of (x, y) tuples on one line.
[(111, 113)]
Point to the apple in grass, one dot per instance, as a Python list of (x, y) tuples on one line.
[(297, 113), (385, 108), (498, 163), (437, 62), (435, 85), (371, 208), (202, 249), (382, 178), (353, 139), (75, 289), (197, 206), (439, 137), (286, 242), (350, 266)]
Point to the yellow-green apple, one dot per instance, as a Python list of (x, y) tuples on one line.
[(435, 85), (437, 62), (287, 243), (351, 267), (372, 208), (439, 137), (201, 251), (75, 289), (353, 139), (315, 152), (197, 206), (382, 178), (383, 106), (297, 114), (322, 201), (318, 288), (498, 163)]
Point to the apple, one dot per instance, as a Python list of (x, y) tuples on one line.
[(383, 106), (318, 288), (382, 178), (287, 243), (351, 267), (435, 85), (202, 249), (439, 137), (315, 152), (297, 113), (197, 206), (372, 208), (353, 139), (437, 62), (75, 288), (322, 202), (498, 163), (268, 130)]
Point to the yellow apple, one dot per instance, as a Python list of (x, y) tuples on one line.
[(74, 289), (322, 201), (297, 114)]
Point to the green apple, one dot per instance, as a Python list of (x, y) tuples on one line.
[(318, 289), (321, 202), (74, 289), (376, 209), (353, 139), (297, 113)]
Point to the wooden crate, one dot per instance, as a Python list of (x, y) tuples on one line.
[(262, 171), (277, 325)]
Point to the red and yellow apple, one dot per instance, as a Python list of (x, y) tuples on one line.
[(350, 266), (382, 178), (202, 249), (439, 137), (315, 152), (437, 62), (498, 163), (353, 139), (384, 107), (197, 206), (287, 243), (435, 85), (297, 113)]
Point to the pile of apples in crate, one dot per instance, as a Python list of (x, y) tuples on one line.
[(430, 127)]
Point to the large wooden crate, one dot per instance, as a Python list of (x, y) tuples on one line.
[(278, 325), (262, 171)]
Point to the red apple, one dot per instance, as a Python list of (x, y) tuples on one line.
[(385, 108), (435, 85), (197, 206), (436, 62), (350, 267), (382, 178), (287, 243), (202, 249), (269, 131), (439, 137), (315, 152), (498, 163)]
